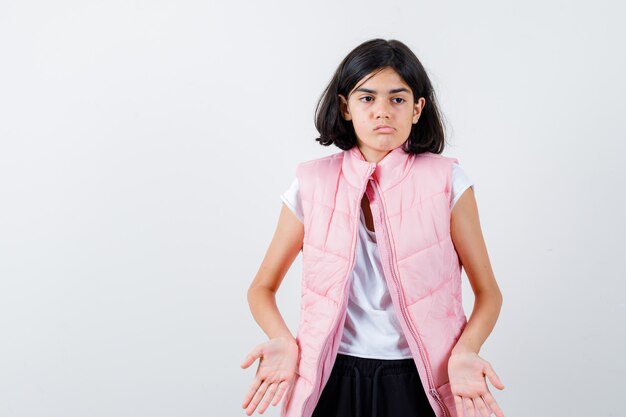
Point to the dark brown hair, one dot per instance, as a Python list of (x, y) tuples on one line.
[(427, 135)]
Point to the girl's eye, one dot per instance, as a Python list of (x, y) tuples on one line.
[(368, 99)]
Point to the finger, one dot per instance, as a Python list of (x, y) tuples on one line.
[(493, 377), (279, 392), (482, 408), (458, 404), (491, 402), (288, 392), (268, 397), (252, 356), (469, 407), (257, 398), (250, 394)]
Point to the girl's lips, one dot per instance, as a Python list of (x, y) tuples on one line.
[(384, 130)]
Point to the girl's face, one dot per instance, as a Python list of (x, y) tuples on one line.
[(382, 111)]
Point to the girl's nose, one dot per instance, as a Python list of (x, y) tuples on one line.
[(382, 110)]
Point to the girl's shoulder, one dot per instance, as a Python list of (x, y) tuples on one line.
[(438, 156), (326, 164), (327, 158)]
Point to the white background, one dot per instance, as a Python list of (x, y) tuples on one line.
[(144, 146)]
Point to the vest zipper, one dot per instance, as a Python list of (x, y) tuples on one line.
[(420, 346), (314, 394)]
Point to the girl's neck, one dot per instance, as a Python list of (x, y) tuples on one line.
[(371, 155)]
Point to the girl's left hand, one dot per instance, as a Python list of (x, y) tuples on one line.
[(467, 371)]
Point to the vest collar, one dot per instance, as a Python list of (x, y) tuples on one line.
[(387, 172)]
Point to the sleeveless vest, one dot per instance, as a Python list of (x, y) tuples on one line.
[(409, 198)]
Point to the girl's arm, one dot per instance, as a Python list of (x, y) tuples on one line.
[(466, 369), (470, 245), (278, 357), (283, 249)]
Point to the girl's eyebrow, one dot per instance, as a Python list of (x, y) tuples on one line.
[(392, 91)]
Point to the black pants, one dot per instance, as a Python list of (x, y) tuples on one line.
[(363, 387)]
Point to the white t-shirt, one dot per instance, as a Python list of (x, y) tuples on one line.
[(372, 329)]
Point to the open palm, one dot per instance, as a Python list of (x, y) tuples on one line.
[(275, 375), (467, 373)]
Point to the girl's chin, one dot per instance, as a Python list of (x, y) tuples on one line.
[(384, 143)]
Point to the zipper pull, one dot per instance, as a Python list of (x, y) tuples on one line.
[(434, 393)]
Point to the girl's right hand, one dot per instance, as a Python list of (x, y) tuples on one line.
[(275, 375)]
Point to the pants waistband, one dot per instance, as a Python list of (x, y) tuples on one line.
[(346, 364), (375, 368)]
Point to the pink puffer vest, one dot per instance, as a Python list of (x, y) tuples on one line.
[(410, 202)]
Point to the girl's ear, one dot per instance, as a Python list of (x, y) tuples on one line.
[(417, 109), (343, 107)]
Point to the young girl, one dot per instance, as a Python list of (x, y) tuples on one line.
[(384, 226)]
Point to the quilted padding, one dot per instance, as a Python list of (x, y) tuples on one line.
[(409, 198)]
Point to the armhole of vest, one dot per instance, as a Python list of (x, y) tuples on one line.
[(299, 172), (449, 183)]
